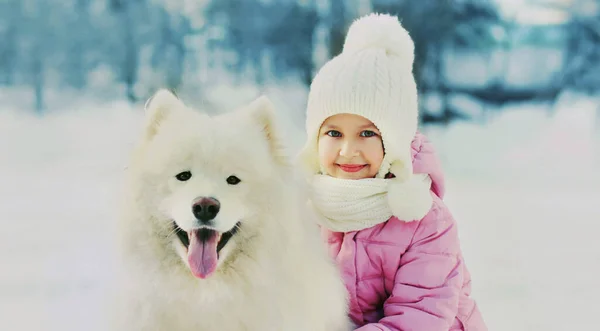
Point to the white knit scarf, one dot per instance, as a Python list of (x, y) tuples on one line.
[(352, 205)]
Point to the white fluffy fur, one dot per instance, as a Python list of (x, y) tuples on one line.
[(380, 31), (410, 200), (274, 274)]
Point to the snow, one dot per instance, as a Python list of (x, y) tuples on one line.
[(522, 186), (525, 190)]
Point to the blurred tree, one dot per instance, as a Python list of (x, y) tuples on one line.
[(39, 44), (169, 50), (338, 24), (279, 31), (245, 25), (10, 17), (290, 39), (582, 62), (73, 58), (128, 52)]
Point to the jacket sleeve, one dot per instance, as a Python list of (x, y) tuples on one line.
[(427, 284)]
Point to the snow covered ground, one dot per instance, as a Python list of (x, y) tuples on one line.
[(524, 188)]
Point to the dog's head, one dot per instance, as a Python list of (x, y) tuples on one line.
[(205, 179)]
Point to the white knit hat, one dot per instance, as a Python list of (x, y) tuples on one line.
[(373, 78)]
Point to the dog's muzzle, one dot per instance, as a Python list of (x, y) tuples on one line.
[(203, 246)]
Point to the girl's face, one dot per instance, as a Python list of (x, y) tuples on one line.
[(350, 147)]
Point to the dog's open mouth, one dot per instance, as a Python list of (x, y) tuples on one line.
[(203, 246)]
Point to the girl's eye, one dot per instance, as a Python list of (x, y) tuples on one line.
[(183, 176), (368, 133), (334, 133)]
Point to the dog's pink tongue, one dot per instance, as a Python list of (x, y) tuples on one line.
[(202, 252)]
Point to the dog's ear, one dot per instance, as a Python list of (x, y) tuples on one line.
[(157, 108), (262, 112)]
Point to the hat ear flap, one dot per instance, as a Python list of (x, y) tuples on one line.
[(402, 171)]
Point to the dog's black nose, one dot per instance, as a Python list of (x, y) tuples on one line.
[(206, 209)]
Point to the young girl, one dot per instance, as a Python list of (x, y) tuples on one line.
[(378, 186)]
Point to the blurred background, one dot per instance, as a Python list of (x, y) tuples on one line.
[(510, 96)]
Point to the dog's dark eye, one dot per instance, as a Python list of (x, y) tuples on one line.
[(233, 180), (183, 176)]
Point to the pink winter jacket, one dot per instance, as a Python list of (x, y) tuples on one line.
[(408, 275)]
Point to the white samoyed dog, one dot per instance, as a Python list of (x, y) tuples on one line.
[(215, 233)]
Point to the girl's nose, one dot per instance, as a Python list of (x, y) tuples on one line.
[(348, 150)]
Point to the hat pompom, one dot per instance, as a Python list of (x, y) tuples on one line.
[(381, 31)]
